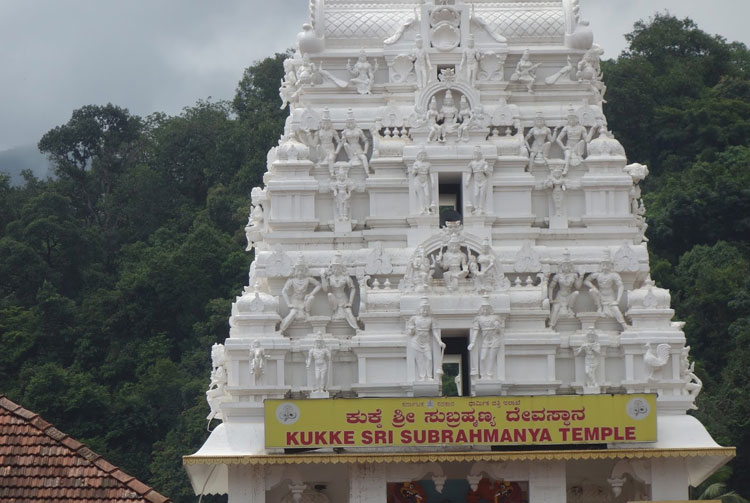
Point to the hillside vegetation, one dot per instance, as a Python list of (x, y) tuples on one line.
[(117, 276)]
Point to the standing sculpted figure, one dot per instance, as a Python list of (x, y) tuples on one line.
[(257, 359), (363, 73), (328, 142), (591, 350), (450, 114), (486, 330), (341, 291), (556, 181), (289, 88), (454, 263), (423, 330), (607, 292), (487, 277), (420, 171), (433, 116), (470, 118), (543, 139), (422, 64), (567, 282), (320, 356), (419, 271), (254, 227), (295, 293), (355, 143), (574, 145), (217, 388), (479, 178), (341, 189), (525, 71), (470, 61)]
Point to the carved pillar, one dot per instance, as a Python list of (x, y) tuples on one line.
[(547, 482), (669, 480), (367, 483), (247, 484)]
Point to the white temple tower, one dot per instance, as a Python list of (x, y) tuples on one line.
[(447, 214)]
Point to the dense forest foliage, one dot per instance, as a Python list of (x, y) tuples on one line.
[(117, 276)]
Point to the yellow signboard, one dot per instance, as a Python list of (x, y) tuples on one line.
[(537, 420)]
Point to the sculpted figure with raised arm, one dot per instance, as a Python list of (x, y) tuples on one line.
[(296, 295), (606, 287)]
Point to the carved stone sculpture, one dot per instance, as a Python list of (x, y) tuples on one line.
[(297, 294), (257, 360), (479, 179), (422, 64), (565, 74), (567, 282), (693, 384), (654, 361), (538, 141), (422, 330), (469, 65), (525, 71), (432, 118), (217, 392), (454, 263), (449, 114), (471, 119), (557, 182), (607, 292), (486, 330), (328, 141), (341, 190), (341, 291), (422, 183), (254, 227), (289, 89), (572, 139), (486, 272), (419, 270), (590, 71), (363, 73), (591, 350), (355, 143), (320, 357)]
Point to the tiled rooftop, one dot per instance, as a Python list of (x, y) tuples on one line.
[(39, 463)]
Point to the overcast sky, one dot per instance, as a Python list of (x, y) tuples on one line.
[(163, 55)]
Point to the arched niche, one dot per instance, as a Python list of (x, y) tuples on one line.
[(437, 89)]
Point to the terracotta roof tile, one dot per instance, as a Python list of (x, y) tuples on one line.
[(39, 463)]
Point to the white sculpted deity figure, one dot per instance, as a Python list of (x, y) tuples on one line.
[(320, 357), (308, 73), (423, 330), (591, 350), (479, 179), (693, 384), (257, 359), (363, 73), (470, 119), (608, 291), (543, 138), (469, 64), (341, 189), (568, 283), (590, 70), (486, 331), (525, 71), (486, 270), (217, 388), (341, 291), (422, 64), (557, 182), (450, 115), (454, 262), (254, 227), (328, 140), (355, 143), (289, 89), (419, 270), (433, 116), (574, 143), (420, 171), (297, 295)]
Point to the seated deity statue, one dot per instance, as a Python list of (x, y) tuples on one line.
[(567, 282), (454, 262), (341, 291), (363, 73)]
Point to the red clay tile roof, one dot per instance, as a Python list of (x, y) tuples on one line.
[(39, 463)]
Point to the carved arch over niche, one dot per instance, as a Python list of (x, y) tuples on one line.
[(423, 98), (437, 241)]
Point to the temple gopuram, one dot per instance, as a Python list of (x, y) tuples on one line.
[(450, 299)]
